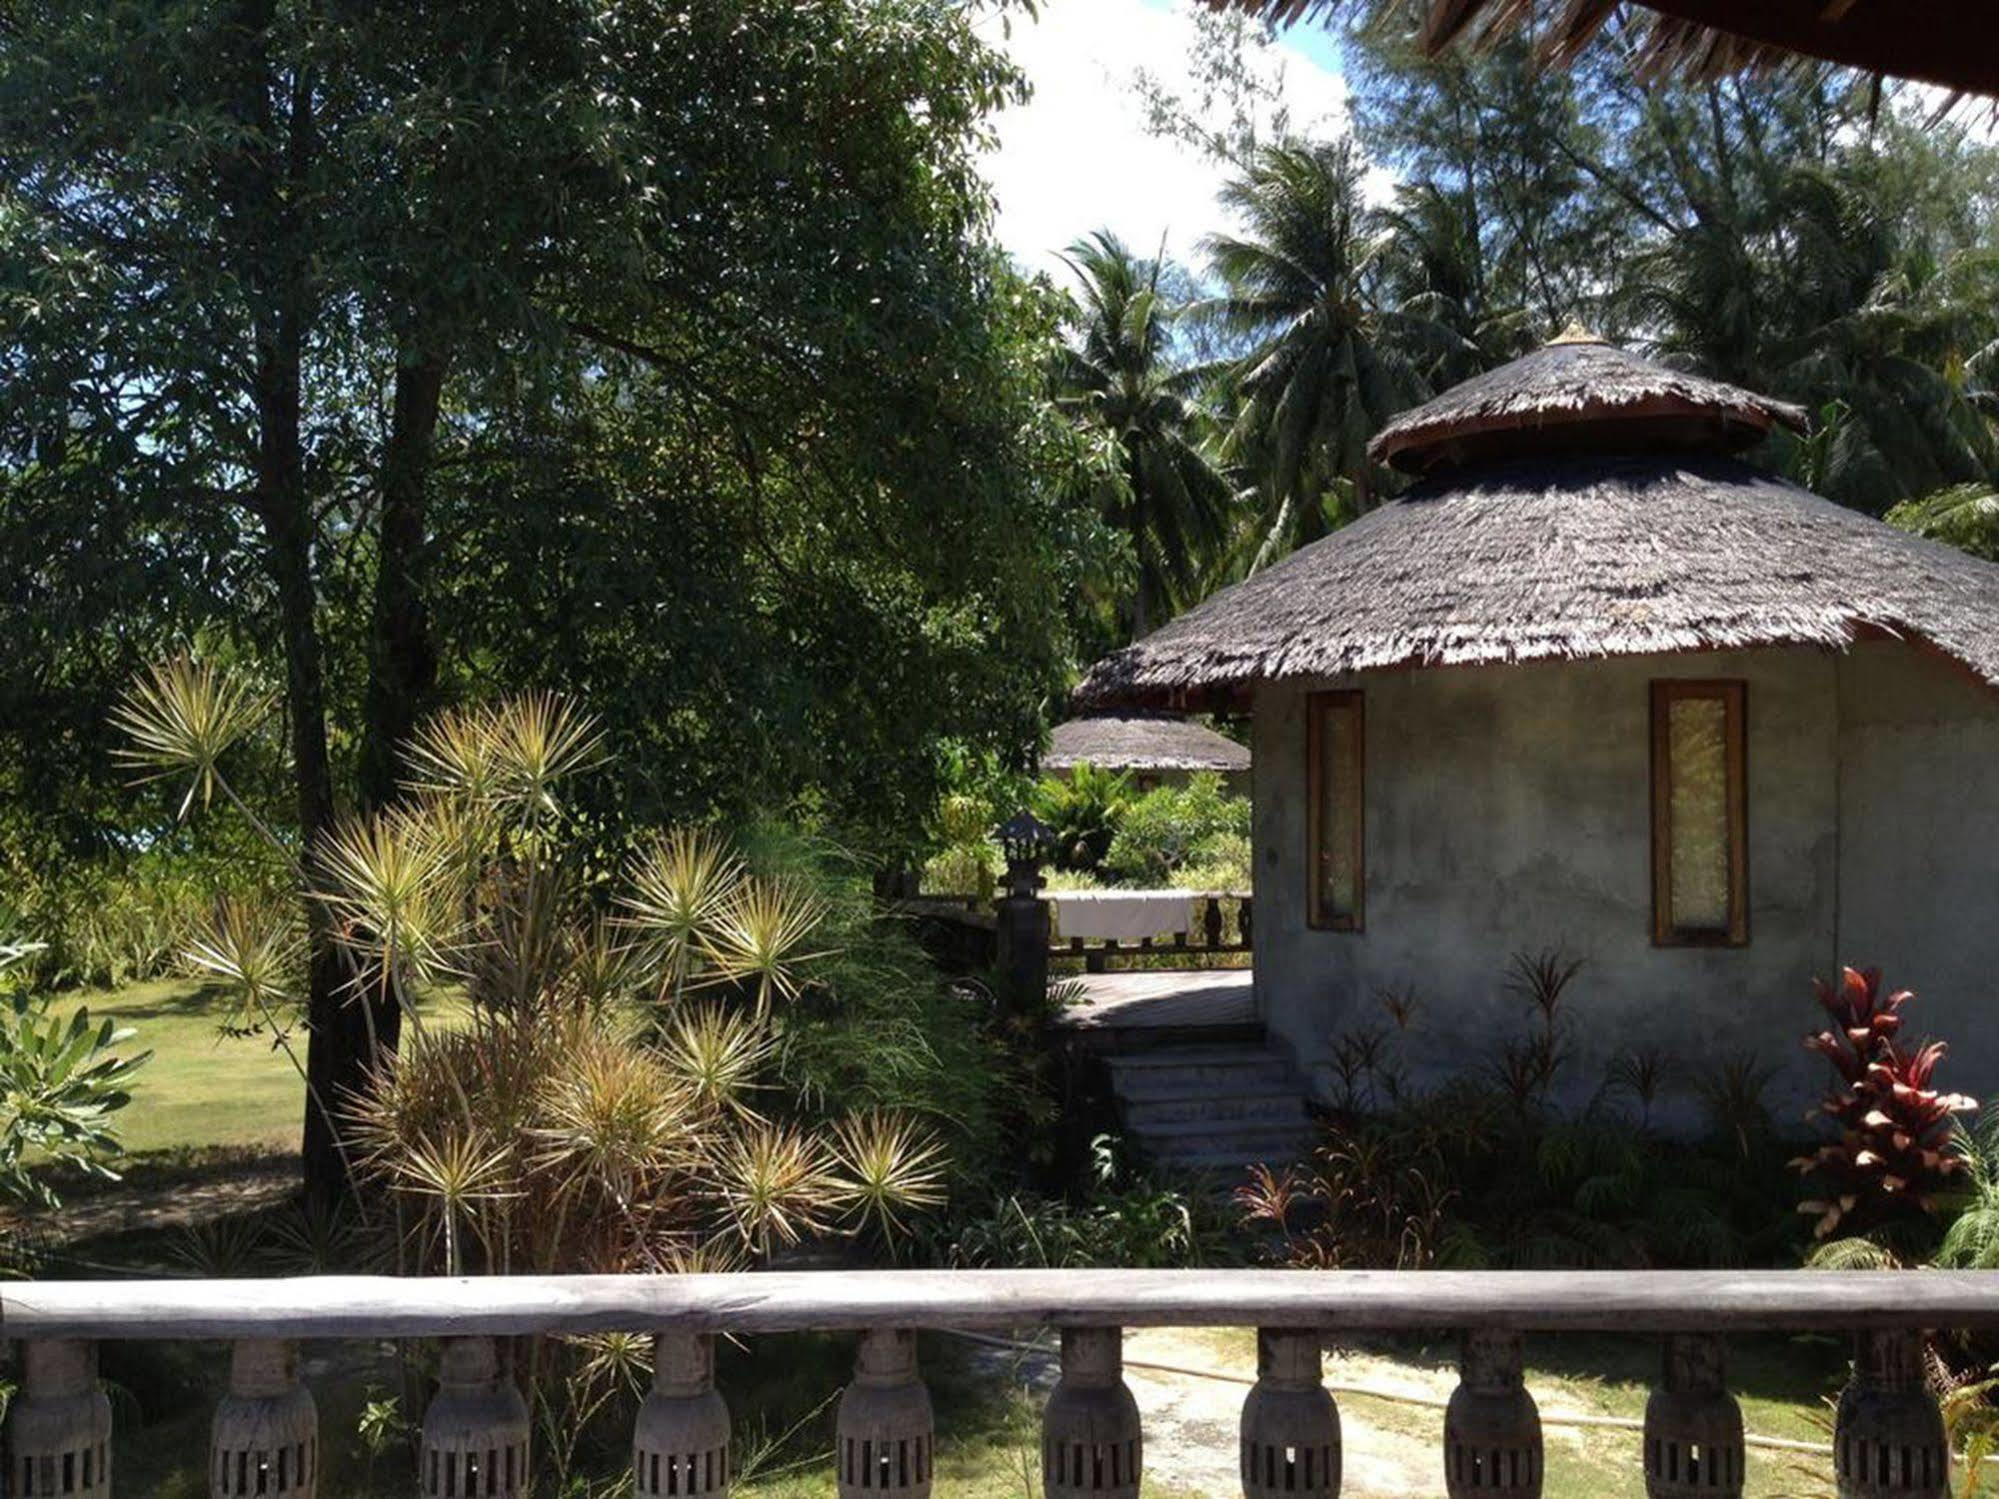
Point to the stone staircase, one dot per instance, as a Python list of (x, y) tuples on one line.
[(1212, 1108)]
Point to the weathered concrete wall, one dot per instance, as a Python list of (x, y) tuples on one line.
[(1919, 846), (1509, 810)]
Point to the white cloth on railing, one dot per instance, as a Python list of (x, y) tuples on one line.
[(1121, 915)]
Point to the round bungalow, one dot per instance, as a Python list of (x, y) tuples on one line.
[(1154, 749), (1595, 682)]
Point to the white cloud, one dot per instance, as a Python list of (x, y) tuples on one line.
[(1078, 156)]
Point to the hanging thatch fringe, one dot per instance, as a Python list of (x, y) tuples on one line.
[(1951, 43), (1564, 558)]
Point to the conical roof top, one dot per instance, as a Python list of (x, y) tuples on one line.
[(1577, 394)]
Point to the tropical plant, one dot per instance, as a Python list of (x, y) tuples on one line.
[(1319, 376), (1892, 1159), (61, 1081), (1118, 376), (1084, 811), (1171, 827), (1971, 1242), (1965, 516)]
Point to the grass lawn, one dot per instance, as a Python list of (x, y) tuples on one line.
[(202, 1088)]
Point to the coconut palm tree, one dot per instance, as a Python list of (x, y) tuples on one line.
[(1320, 373), (1118, 378)]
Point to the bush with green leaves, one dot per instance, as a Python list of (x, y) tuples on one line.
[(1174, 828), (1084, 810), (61, 1081)]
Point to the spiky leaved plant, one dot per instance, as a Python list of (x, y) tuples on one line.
[(1892, 1159)]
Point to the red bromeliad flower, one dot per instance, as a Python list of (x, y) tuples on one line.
[(1892, 1154)]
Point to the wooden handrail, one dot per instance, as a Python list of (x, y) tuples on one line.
[(1708, 1301)]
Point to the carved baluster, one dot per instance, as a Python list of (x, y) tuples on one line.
[(1693, 1426), (681, 1442), (59, 1427), (265, 1437), (1290, 1426), (1888, 1439), (1492, 1430), (1242, 920), (1211, 921), (475, 1434), (886, 1431), (1091, 1441)]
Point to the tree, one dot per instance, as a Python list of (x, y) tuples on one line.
[(1320, 376), (1118, 377), (349, 339)]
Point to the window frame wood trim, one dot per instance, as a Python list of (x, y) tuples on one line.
[(1317, 917), (1732, 693)]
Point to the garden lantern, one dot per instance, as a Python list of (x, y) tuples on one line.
[(680, 1445), (885, 1429), (1888, 1438), (475, 1434), (265, 1437), (1027, 841), (1693, 1426), (1290, 1426), (1492, 1429), (59, 1427), (1091, 1442)]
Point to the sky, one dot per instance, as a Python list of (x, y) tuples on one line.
[(1078, 156)]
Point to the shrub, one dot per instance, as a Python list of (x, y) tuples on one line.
[(60, 1083), (1892, 1159), (1084, 811), (1171, 827)]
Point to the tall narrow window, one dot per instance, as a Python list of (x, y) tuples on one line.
[(1334, 735), (1700, 854)]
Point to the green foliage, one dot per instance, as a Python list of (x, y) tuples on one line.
[(1117, 380), (1491, 1170), (1965, 516), (60, 1083), (1084, 810), (1971, 1242), (1173, 828), (1123, 1222)]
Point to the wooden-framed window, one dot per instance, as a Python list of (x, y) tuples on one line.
[(1700, 815), (1336, 758)]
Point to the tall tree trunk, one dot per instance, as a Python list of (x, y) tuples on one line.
[(402, 665)]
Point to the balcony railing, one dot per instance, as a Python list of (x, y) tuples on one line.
[(1889, 1436)]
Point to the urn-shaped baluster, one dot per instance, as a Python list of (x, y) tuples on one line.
[(1492, 1430), (265, 1436), (680, 1444), (1091, 1443), (1888, 1438), (885, 1431), (1290, 1426), (59, 1426), (475, 1434), (1693, 1426)]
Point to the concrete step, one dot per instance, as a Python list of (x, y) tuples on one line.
[(1233, 1158), (1280, 1103), (1278, 1144), (1174, 1072)]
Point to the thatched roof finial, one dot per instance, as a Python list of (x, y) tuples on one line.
[(1577, 394)]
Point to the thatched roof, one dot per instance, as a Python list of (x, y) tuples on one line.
[(1951, 43), (1575, 557), (1142, 741), (1577, 382)]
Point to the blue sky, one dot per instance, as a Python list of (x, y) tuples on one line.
[(1079, 157)]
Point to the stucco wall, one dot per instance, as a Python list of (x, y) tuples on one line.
[(1508, 810), (1919, 851)]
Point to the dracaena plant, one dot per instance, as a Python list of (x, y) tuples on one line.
[(1891, 1158)]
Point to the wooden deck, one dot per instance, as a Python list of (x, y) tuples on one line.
[(1160, 999)]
